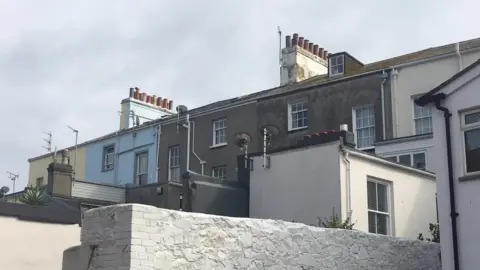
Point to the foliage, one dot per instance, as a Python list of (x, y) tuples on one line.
[(34, 196), (434, 231), (336, 222)]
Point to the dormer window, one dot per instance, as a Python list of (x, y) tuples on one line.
[(336, 65)]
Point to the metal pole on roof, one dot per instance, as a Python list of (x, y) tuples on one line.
[(76, 147)]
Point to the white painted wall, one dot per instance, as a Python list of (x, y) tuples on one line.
[(467, 192), (33, 245), (299, 64), (306, 183), (412, 202), (301, 185), (418, 79), (410, 145)]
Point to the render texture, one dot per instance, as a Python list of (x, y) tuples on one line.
[(133, 236)]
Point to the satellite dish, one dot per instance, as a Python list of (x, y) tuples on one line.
[(5, 189), (242, 139), (271, 130), (181, 108)]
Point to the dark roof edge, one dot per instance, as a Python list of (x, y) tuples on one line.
[(429, 97), (321, 84)]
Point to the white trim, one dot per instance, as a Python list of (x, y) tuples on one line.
[(467, 127), (386, 162), (414, 127), (389, 214), (410, 153), (218, 169), (354, 126), (214, 142), (137, 167), (289, 116), (169, 177), (330, 66), (105, 154)]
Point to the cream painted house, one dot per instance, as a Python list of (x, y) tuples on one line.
[(310, 180), (412, 140), (37, 171), (455, 106)]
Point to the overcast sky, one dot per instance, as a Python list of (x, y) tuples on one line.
[(70, 63)]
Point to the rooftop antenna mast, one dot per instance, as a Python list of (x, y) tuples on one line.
[(48, 140), (14, 178), (280, 50), (76, 148)]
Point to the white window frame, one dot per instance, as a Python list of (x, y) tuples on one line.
[(106, 153), (138, 174), (467, 127), (354, 126), (389, 202), (215, 130), (335, 66), (397, 157), (174, 167), (416, 118), (291, 112), (216, 172)]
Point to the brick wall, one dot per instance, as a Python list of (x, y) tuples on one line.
[(133, 236)]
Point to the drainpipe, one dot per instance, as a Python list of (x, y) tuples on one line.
[(451, 183), (202, 162), (394, 74), (382, 92), (460, 61), (348, 180), (159, 132), (188, 142)]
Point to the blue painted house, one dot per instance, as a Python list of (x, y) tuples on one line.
[(129, 156)]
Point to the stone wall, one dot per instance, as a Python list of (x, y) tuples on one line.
[(133, 236)]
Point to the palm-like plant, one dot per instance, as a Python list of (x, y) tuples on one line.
[(34, 196)]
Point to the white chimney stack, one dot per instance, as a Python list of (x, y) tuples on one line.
[(302, 59)]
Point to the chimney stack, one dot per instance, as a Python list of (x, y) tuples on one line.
[(295, 39), (288, 41), (301, 53)]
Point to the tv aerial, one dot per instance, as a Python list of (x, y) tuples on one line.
[(268, 132), (3, 191), (242, 140)]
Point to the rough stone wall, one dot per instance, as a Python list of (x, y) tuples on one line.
[(133, 236)]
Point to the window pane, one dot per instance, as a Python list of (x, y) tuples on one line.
[(372, 195), (472, 118), (382, 198), (419, 161), (472, 150), (392, 159), (382, 224), (372, 223), (405, 160)]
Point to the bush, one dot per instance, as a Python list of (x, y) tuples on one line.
[(434, 231), (336, 222)]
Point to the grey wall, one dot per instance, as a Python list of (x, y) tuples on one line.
[(238, 119), (329, 106), (300, 185), (150, 194), (57, 211), (211, 196)]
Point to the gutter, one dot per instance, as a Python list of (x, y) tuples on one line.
[(436, 99), (437, 57), (389, 163)]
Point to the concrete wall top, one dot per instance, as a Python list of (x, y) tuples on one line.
[(132, 236)]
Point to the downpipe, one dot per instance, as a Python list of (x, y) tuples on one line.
[(202, 162), (453, 212), (348, 182), (382, 93)]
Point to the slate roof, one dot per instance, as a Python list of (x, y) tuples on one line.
[(312, 82), (425, 99)]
